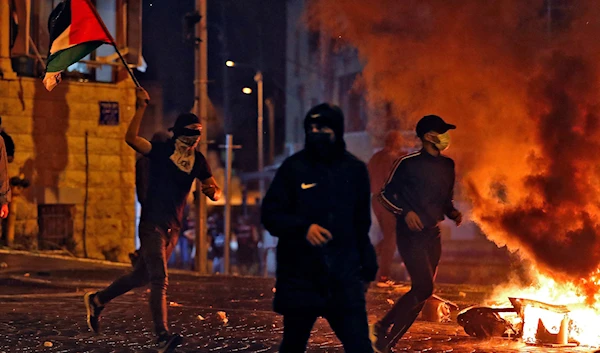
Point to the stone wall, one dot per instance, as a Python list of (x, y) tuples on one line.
[(49, 130)]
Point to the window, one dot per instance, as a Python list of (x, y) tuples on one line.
[(121, 17)]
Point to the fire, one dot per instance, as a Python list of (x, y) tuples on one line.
[(574, 313), (522, 88), (524, 99)]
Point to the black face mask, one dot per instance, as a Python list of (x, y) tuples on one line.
[(319, 145), (186, 132)]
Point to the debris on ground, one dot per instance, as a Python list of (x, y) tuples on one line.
[(223, 316)]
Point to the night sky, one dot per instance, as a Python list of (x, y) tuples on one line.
[(255, 35)]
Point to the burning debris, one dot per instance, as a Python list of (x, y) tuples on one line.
[(485, 322), (569, 309), (547, 313), (536, 323)]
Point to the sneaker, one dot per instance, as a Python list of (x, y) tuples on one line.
[(93, 311), (377, 335), (168, 342)]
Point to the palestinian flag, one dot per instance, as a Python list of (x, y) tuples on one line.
[(75, 31)]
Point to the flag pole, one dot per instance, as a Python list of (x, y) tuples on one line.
[(135, 80), (112, 42)]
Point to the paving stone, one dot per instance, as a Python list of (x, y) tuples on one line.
[(27, 322)]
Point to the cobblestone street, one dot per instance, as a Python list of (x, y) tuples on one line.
[(42, 311)]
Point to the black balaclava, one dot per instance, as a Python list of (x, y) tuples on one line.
[(318, 145)]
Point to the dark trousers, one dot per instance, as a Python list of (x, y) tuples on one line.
[(386, 248), (4, 234), (351, 327), (157, 244), (421, 253)]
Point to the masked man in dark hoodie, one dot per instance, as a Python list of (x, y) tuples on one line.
[(318, 205)]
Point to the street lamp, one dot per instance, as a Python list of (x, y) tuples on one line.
[(258, 78)]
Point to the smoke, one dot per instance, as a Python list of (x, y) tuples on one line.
[(525, 100)]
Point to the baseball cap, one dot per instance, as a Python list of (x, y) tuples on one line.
[(433, 123), (184, 120)]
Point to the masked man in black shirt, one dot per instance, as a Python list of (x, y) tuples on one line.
[(174, 165), (318, 205), (420, 192)]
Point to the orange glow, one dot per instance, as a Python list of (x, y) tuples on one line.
[(525, 102)]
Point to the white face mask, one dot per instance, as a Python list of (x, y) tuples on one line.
[(184, 155), (444, 141)]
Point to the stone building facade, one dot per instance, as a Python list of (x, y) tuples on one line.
[(49, 130), (82, 172)]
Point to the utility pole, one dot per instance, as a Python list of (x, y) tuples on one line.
[(201, 98), (227, 216), (258, 78), (271, 108), (227, 126)]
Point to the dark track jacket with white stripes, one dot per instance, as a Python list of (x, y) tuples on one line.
[(422, 183)]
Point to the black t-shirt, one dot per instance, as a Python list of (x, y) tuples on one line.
[(169, 186)]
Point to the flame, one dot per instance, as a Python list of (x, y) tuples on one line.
[(584, 312), (552, 322)]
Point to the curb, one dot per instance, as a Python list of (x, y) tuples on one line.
[(63, 257), (92, 261)]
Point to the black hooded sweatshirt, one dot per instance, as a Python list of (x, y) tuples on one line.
[(334, 194)]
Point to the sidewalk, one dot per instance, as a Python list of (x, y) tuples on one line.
[(41, 304)]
